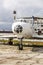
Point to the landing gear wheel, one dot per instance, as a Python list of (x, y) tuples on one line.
[(20, 47), (10, 41)]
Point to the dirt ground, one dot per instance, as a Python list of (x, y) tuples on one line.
[(10, 55)]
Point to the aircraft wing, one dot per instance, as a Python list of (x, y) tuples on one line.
[(8, 36)]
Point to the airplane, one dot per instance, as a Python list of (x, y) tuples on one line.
[(26, 27)]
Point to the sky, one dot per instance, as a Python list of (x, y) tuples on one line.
[(22, 7)]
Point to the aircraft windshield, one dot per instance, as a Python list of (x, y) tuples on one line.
[(21, 20), (24, 20)]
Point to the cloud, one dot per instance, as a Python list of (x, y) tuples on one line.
[(11, 4), (1, 22), (23, 8)]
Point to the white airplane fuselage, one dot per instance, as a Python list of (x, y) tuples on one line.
[(29, 28)]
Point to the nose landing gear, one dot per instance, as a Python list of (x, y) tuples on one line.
[(20, 45)]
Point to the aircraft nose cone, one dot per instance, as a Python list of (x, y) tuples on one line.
[(18, 29)]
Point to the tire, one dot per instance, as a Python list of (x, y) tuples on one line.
[(10, 43), (20, 47)]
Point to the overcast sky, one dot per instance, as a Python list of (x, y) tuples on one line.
[(23, 8)]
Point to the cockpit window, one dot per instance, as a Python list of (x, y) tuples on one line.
[(20, 20), (24, 20)]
